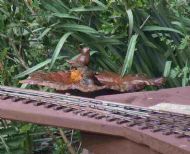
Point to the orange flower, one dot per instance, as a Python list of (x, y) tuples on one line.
[(76, 76)]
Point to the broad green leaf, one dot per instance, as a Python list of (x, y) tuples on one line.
[(185, 78), (25, 128), (56, 6), (85, 9), (99, 3), (24, 85), (60, 3), (158, 28), (38, 29), (44, 33), (167, 68), (129, 56), (50, 7), (79, 28), (131, 22), (35, 68), (58, 48), (63, 15), (177, 24), (111, 64), (108, 41)]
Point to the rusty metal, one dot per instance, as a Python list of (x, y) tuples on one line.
[(140, 124)]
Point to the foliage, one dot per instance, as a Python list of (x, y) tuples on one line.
[(142, 36)]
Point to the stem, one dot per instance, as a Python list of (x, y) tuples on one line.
[(28, 6), (12, 44), (69, 146), (22, 62), (4, 144), (144, 22)]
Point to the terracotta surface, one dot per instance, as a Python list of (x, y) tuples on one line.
[(99, 144), (145, 138), (172, 95), (103, 144)]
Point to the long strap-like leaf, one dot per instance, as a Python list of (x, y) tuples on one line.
[(130, 54), (58, 48)]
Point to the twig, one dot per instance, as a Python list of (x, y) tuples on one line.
[(3, 35), (8, 57), (12, 44), (4, 123), (51, 134), (29, 7), (144, 22), (78, 150), (69, 146), (5, 144), (72, 136), (22, 62)]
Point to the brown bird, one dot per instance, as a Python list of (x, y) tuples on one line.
[(82, 60)]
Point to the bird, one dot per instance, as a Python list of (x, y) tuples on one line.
[(80, 65), (82, 60)]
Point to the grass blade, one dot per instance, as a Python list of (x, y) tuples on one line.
[(44, 33), (158, 28), (64, 15), (80, 28), (58, 48), (167, 68), (99, 3), (34, 68), (129, 56), (131, 22), (4, 144), (185, 78), (85, 9)]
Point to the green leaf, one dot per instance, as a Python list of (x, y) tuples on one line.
[(44, 33), (15, 140), (64, 15), (158, 28), (79, 28), (129, 56), (38, 29), (99, 3), (107, 41), (58, 48), (8, 131), (167, 68), (57, 6), (85, 9), (35, 68), (185, 78), (131, 22), (4, 144), (25, 128)]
